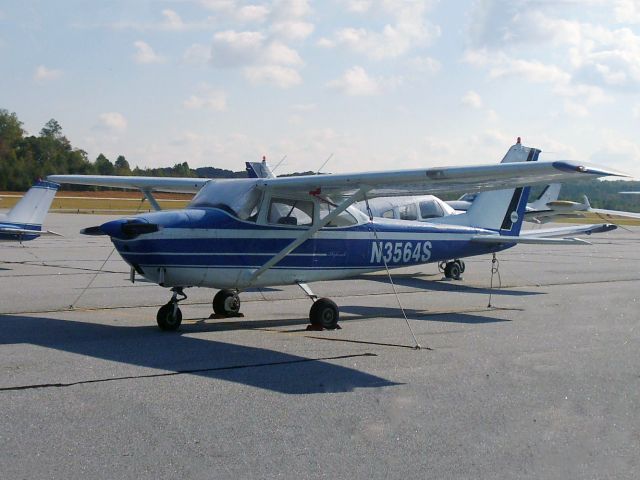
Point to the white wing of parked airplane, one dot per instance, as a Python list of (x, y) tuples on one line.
[(374, 184), (437, 180), (151, 184)]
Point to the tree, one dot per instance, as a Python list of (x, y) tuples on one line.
[(104, 166), (52, 129), (122, 166)]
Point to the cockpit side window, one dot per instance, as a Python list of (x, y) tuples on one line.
[(344, 219), (388, 213), (285, 211)]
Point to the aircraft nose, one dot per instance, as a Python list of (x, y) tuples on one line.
[(128, 228)]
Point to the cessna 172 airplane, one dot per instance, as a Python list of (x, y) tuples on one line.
[(238, 234), (24, 221)]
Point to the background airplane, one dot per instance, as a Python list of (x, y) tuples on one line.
[(243, 233), (24, 221)]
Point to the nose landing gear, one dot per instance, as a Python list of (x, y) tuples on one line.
[(169, 317)]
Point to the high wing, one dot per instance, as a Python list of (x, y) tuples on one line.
[(150, 184), (437, 180)]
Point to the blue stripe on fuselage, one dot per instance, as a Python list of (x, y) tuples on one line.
[(412, 243)]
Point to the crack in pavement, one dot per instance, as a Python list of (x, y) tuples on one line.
[(180, 372)]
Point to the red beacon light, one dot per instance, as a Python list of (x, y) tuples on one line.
[(518, 141)]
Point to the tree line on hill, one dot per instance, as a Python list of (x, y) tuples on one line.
[(25, 158)]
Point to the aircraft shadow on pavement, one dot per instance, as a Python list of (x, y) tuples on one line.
[(174, 352), (394, 312), (444, 286)]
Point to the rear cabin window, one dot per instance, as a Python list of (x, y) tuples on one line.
[(344, 219), (284, 211), (430, 209), (408, 212)]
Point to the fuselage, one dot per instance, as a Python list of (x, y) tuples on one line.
[(209, 247)]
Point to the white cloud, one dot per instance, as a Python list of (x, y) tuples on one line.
[(578, 96), (627, 11), (171, 22), (356, 81), (408, 30), (358, 6), (44, 74), (472, 99), (594, 54), (636, 111), (252, 13), (232, 49), (145, 54), (197, 54), (264, 61), (575, 109), (425, 65), (112, 122), (293, 29), (277, 75), (208, 98), (533, 71), (307, 107)]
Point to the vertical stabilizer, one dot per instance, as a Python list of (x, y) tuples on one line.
[(34, 205), (499, 210), (259, 169), (550, 194), (503, 210)]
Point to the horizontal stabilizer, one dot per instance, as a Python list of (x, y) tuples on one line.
[(496, 239), (25, 231), (574, 230)]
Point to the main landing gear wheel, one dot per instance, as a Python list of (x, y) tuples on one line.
[(324, 313), (454, 269), (226, 302), (169, 317)]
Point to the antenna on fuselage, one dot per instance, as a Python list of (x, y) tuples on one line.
[(264, 159), (325, 162)]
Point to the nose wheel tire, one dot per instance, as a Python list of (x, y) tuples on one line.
[(169, 317), (226, 302), (324, 313)]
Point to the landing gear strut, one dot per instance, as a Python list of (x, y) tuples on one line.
[(169, 316), (226, 302), (453, 269)]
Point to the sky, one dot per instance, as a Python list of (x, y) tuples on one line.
[(367, 84)]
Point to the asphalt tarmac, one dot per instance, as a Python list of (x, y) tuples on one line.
[(543, 384)]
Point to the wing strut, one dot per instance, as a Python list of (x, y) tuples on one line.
[(308, 234), (150, 198)]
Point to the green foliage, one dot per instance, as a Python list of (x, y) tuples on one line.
[(24, 159)]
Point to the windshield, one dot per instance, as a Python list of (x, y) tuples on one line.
[(239, 197)]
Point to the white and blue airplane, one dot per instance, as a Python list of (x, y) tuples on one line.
[(237, 234), (24, 221)]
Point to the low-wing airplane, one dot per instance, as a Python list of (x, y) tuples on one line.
[(24, 221), (238, 234)]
